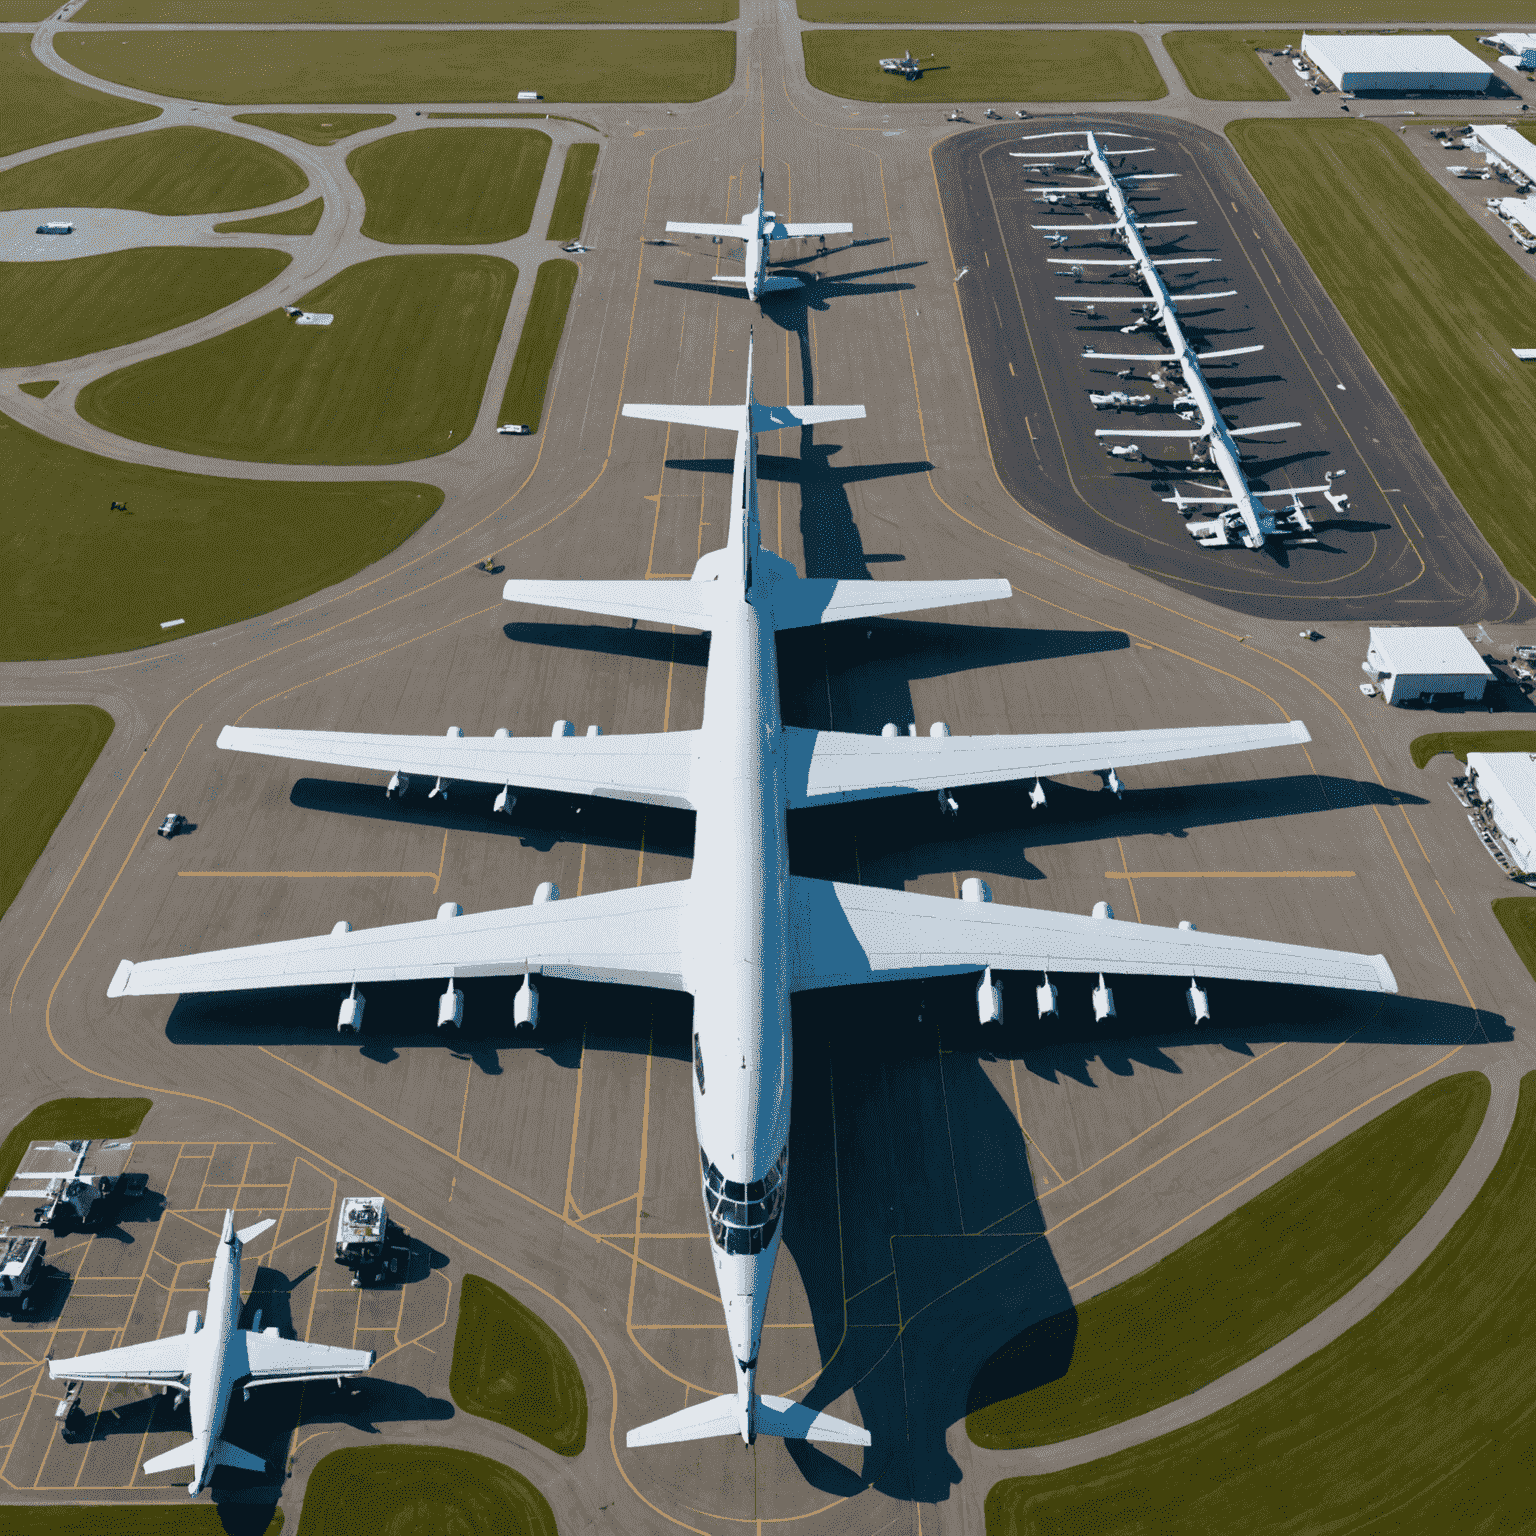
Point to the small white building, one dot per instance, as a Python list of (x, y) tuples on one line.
[(1517, 49), (1506, 784), (1506, 148), (1398, 64), (1428, 664)]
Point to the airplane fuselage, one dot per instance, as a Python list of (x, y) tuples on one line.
[(210, 1368)]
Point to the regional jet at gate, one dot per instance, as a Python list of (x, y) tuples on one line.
[(742, 933), (210, 1359), (755, 230)]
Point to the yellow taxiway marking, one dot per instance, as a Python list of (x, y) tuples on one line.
[(308, 874), (1229, 874)]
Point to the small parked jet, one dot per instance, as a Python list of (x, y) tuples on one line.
[(755, 230), (743, 933), (907, 64), (210, 1359)]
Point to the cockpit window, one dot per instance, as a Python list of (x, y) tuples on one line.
[(744, 1217)]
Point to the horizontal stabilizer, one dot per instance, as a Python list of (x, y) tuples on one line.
[(797, 604), (735, 282), (789, 1420), (1273, 426), (721, 1416), (227, 1455), (780, 282), (168, 1461), (251, 1233), (770, 418), (807, 231), (700, 1421), (1116, 432), (1132, 357), (662, 602), (725, 231), (727, 418)]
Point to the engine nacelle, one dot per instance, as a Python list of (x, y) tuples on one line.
[(450, 1008), (938, 730), (504, 802), (1103, 1001), (890, 730), (1185, 926), (439, 788), (989, 999), (449, 909), (594, 730), (1113, 785), (399, 784), (974, 889), (525, 1006), (502, 733), (350, 1020), (342, 927), (1045, 999), (547, 891), (194, 1322), (1198, 1003), (948, 805), (454, 733), (1102, 909), (562, 728), (1037, 796)]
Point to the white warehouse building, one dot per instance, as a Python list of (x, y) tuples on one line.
[(1429, 663), (1506, 784), (1507, 148), (1398, 64)]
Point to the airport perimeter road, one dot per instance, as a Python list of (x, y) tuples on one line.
[(1403, 550), (948, 1187)]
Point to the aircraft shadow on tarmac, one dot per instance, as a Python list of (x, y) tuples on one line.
[(783, 306)]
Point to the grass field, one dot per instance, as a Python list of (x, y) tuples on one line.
[(1179, 12), (59, 309), (523, 398), (136, 1520), (450, 186), (167, 170), (40, 107), (238, 67), (571, 196), (568, 13), (398, 375), (1418, 1420), (205, 549), (1517, 917), (47, 750), (1223, 66), (39, 388), (304, 220), (321, 129), (511, 1367), (986, 66), (1239, 1287), (410, 1490), (60, 1119), (1430, 294), (1459, 743)]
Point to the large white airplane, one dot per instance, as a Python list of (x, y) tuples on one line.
[(755, 229), (742, 933), (210, 1360)]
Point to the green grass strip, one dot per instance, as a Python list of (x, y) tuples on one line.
[(1416, 279), (511, 1367), (1225, 66), (1239, 1287), (203, 548), (132, 1520), (1418, 1420), (575, 188), (1459, 743), (985, 66), (240, 68), (1178, 12), (47, 750), (1517, 917), (38, 106), (319, 128), (59, 309), (450, 186), (569, 13), (303, 220), (68, 1119), (398, 375), (523, 399), (167, 171), (41, 388)]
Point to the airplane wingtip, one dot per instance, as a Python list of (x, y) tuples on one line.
[(1299, 733), (119, 983)]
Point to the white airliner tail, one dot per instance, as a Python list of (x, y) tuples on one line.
[(187, 1455), (721, 1416)]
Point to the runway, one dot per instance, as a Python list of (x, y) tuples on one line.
[(948, 1187), (1404, 550)]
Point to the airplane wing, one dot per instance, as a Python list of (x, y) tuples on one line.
[(273, 1358), (798, 603), (653, 769), (804, 231), (830, 767), (152, 1363), (662, 602), (631, 936), (846, 934), (725, 231)]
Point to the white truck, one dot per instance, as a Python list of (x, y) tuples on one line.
[(21, 1266), (367, 1241)]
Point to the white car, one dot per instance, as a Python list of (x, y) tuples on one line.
[(172, 824), (517, 429)]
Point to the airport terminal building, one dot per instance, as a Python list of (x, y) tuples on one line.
[(1435, 662), (1397, 65), (1506, 784)]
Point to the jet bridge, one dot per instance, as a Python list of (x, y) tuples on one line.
[(1246, 519)]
